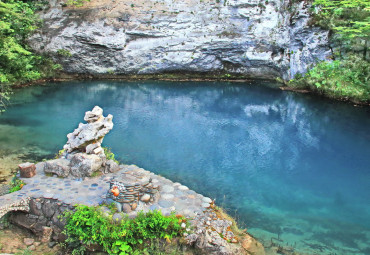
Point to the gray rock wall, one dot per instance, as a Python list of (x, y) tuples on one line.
[(260, 39), (43, 215)]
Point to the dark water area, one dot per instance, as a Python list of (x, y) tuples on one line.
[(292, 168)]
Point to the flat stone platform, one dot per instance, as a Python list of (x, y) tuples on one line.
[(92, 192)]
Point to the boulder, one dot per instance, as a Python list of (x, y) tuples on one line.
[(111, 167), (83, 164), (59, 167)]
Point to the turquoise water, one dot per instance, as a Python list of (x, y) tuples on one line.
[(292, 168)]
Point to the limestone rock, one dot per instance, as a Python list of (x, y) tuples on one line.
[(83, 165), (59, 167), (91, 147), (92, 132), (95, 115), (111, 167), (262, 39)]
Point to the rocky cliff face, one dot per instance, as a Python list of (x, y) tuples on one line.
[(265, 39)]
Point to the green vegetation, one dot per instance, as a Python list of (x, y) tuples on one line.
[(59, 154), (349, 18), (76, 3), (16, 184), (88, 226), (18, 64), (24, 252), (64, 53), (347, 77), (110, 155)]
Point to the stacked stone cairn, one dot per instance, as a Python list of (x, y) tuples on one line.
[(82, 154), (132, 191)]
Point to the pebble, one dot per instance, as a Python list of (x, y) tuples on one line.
[(165, 203), (182, 187), (32, 247), (51, 244), (126, 208), (145, 198), (168, 196), (205, 205), (28, 241), (207, 200), (168, 189)]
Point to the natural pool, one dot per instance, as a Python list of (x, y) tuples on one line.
[(293, 168)]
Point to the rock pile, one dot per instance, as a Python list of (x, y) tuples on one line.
[(132, 189), (82, 154), (88, 137)]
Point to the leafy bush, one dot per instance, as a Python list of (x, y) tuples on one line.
[(347, 79), (16, 184), (17, 62), (88, 225), (109, 154)]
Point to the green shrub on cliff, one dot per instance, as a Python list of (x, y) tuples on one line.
[(17, 62), (347, 76), (88, 226), (347, 79)]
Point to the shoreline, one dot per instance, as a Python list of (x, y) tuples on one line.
[(184, 77), (54, 196)]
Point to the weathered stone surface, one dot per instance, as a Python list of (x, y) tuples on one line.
[(145, 198), (95, 115), (27, 170), (46, 234), (91, 147), (83, 164), (35, 207), (49, 209), (92, 132), (111, 167), (264, 39), (23, 220), (28, 241), (59, 167), (126, 208)]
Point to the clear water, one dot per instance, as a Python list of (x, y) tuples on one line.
[(294, 169)]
